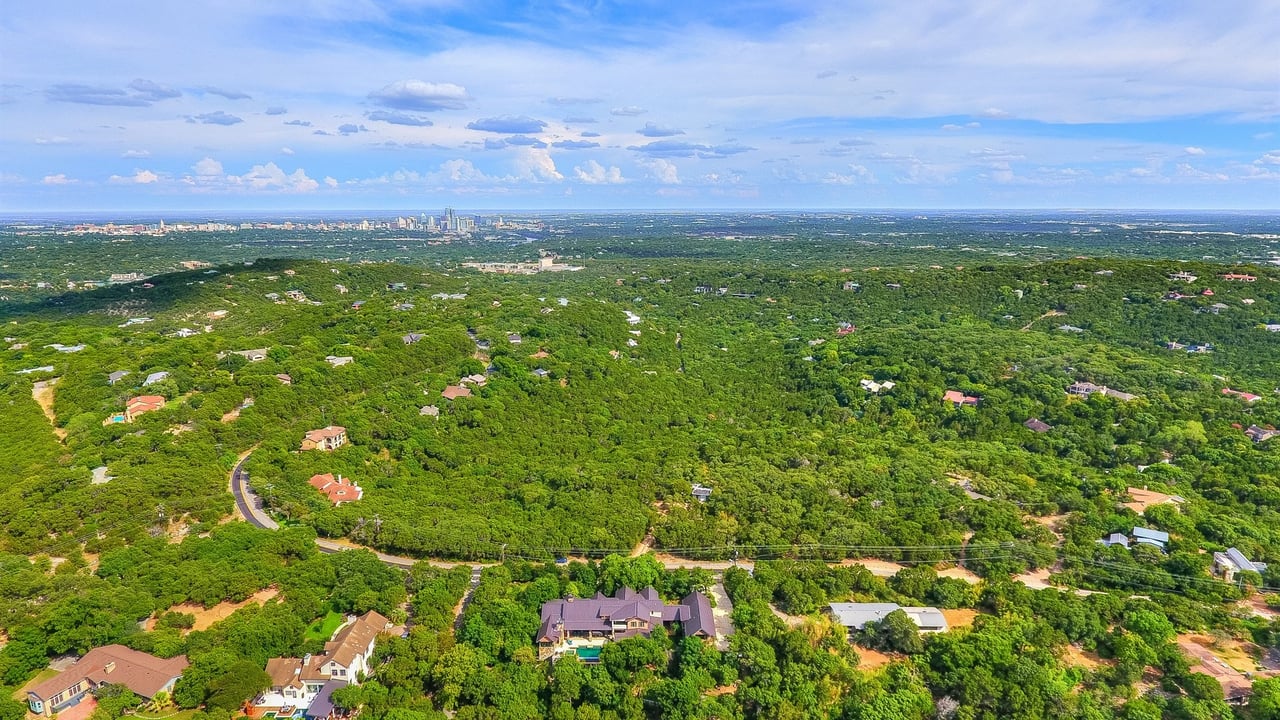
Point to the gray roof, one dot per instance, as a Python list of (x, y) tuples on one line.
[(1115, 539), (698, 620), (322, 705), (116, 376), (155, 377), (1141, 533), (1243, 562), (857, 615), (1038, 425)]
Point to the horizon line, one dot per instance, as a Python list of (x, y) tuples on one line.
[(654, 210)]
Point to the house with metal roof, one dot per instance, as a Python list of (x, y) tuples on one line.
[(856, 616), (156, 377), (1147, 536), (1232, 561), (1115, 539)]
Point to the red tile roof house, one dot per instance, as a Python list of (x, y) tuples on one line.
[(305, 683), (958, 399), (144, 674), (454, 392), (142, 404), (570, 623), (326, 438), (1247, 397), (338, 490)]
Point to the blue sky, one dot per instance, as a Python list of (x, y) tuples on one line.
[(481, 104)]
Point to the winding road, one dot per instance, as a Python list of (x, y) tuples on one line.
[(249, 505)]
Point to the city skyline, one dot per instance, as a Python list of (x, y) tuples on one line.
[(651, 105)]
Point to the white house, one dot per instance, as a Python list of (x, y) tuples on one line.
[(298, 682), (855, 616)]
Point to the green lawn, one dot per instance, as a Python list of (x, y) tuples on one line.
[(323, 628), (45, 674)]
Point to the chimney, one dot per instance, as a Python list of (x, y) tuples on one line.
[(109, 667), (306, 660)]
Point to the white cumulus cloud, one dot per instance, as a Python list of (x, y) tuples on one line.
[(664, 171), (271, 177), (536, 164), (59, 179), (207, 167), (1193, 150), (593, 173), (458, 170)]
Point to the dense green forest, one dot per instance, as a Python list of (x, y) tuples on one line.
[(607, 395)]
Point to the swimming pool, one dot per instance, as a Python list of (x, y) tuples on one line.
[(589, 654)]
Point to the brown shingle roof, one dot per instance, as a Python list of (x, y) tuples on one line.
[(354, 638), (142, 673), (284, 671)]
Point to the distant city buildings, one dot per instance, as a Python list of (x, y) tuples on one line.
[(450, 223), (546, 263)]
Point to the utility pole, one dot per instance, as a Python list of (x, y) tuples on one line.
[(503, 555)]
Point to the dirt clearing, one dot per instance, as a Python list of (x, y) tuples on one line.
[(42, 393), (206, 617)]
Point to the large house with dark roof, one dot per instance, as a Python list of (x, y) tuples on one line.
[(144, 674), (306, 683), (572, 624)]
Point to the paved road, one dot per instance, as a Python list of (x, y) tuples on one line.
[(250, 505)]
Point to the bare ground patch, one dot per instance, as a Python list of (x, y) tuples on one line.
[(879, 568), (869, 659), (960, 617), (960, 573), (206, 617), (1224, 661), (1079, 657), (42, 393)]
